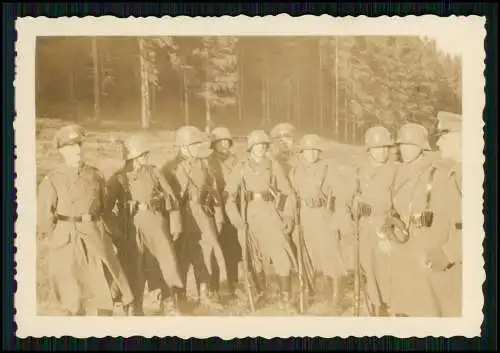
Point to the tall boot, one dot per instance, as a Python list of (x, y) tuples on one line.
[(285, 284), (205, 299), (337, 291), (237, 285), (169, 303)]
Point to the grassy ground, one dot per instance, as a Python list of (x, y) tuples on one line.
[(104, 154)]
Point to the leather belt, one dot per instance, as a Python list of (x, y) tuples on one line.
[(265, 196), (143, 206), (314, 202), (79, 219)]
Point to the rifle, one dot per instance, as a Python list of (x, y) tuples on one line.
[(357, 263), (300, 259), (244, 250), (357, 269)]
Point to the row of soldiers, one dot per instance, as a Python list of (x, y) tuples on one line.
[(232, 219)]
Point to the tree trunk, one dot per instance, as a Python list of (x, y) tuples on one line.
[(97, 94), (144, 86), (186, 99), (320, 81), (263, 96), (240, 91), (208, 118), (71, 92), (336, 87), (298, 98), (354, 126), (346, 115), (289, 105), (153, 101), (268, 95)]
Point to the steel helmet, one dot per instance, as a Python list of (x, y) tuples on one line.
[(257, 137), (188, 135), (135, 146), (414, 134), (282, 130), (311, 142), (378, 136), (69, 135), (221, 133)]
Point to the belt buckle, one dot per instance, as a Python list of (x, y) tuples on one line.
[(86, 217)]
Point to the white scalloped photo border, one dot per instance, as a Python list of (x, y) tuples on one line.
[(469, 34)]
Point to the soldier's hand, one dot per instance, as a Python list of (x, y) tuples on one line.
[(175, 235), (437, 260), (240, 225), (219, 226)]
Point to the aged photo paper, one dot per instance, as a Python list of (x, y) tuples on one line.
[(354, 81)]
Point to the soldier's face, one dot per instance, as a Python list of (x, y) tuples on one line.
[(379, 154), (223, 146), (409, 152), (191, 150), (71, 154), (144, 159), (259, 150), (310, 156), (450, 146), (285, 143)]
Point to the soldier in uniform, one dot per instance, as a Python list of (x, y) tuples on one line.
[(144, 198), (83, 266), (447, 257), (222, 162), (418, 228), (202, 215), (283, 142), (372, 205), (269, 210), (323, 212)]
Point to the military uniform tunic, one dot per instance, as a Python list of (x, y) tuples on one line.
[(375, 183), (221, 168), (447, 196), (144, 197), (413, 283), (82, 262), (264, 216), (202, 218), (322, 208)]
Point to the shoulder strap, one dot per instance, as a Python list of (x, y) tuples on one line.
[(453, 175), (430, 184), (325, 173), (358, 181)]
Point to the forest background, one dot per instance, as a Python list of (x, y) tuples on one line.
[(335, 86)]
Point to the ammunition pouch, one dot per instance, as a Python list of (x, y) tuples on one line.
[(205, 199), (280, 202), (362, 210), (315, 202), (423, 219), (157, 204), (330, 203)]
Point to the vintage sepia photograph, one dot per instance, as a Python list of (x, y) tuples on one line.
[(251, 175)]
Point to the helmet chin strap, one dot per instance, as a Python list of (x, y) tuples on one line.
[(417, 157)]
